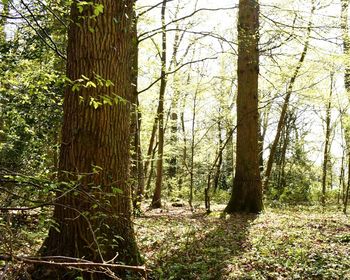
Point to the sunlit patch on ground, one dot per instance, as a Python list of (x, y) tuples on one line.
[(293, 243)]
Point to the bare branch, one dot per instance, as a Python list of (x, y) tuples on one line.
[(175, 70)]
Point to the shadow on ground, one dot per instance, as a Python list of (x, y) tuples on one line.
[(196, 246)]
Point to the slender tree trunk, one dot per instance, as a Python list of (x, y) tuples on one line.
[(184, 151), (218, 166), (149, 157), (264, 121), (137, 172), (173, 139), (207, 188), (341, 188), (3, 18), (346, 41), (157, 196), (281, 122), (346, 198), (346, 51), (192, 148), (326, 145), (229, 158), (174, 118), (151, 171), (246, 194), (93, 208), (282, 162)]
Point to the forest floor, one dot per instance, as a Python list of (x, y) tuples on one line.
[(289, 243)]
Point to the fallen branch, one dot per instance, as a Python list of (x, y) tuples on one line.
[(77, 263)]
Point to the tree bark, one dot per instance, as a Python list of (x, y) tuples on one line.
[(93, 207), (246, 194)]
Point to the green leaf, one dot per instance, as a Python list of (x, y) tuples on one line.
[(76, 87), (90, 84), (117, 190), (109, 83), (98, 9)]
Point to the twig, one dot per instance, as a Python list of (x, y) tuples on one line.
[(3, 274), (78, 263)]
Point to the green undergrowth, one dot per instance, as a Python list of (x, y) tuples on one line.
[(292, 243)]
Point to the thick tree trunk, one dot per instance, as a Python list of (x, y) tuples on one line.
[(247, 192), (93, 209), (157, 195)]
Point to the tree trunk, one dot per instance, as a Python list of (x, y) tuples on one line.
[(93, 209), (138, 178), (3, 19), (341, 186), (346, 51), (151, 171), (137, 172), (228, 142), (190, 200), (157, 196), (346, 41), (173, 138), (150, 156), (346, 198), (281, 122), (218, 166), (282, 162), (326, 145), (247, 192)]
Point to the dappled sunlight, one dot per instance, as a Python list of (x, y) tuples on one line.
[(277, 244)]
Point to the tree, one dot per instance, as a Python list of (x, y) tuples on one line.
[(282, 118), (346, 51), (247, 191), (327, 145), (92, 212), (156, 200)]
